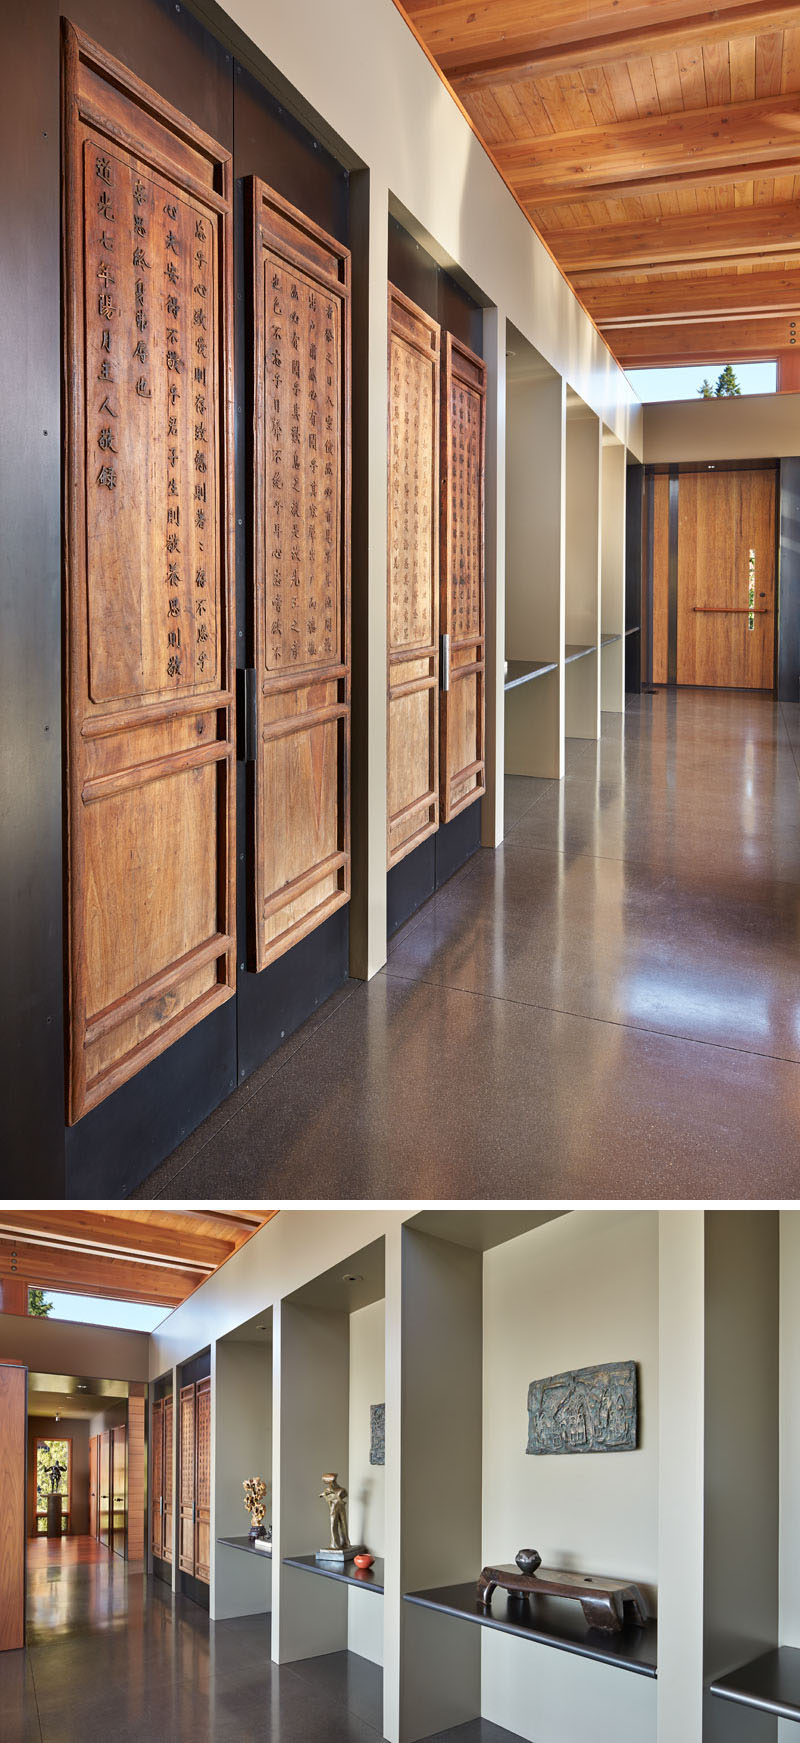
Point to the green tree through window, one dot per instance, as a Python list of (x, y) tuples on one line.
[(38, 1305), (726, 386)]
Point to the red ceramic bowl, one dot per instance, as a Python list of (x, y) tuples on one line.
[(363, 1560)]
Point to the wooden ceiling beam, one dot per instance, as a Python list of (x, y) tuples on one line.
[(733, 341), (677, 180), (723, 295), (574, 53), (82, 1274), (745, 134), (120, 1234), (747, 232)]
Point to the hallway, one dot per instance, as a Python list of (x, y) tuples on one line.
[(609, 1005), (119, 1656)]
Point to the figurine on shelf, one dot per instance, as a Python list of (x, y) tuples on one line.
[(340, 1549), (254, 1491), (336, 1498)]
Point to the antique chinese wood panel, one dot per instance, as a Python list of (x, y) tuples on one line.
[(147, 368), (137, 1470), (187, 1487), (299, 778), (13, 1449), (462, 776), (166, 1551), (413, 576), (202, 1534), (157, 1478)]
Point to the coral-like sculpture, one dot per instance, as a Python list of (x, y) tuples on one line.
[(254, 1491)]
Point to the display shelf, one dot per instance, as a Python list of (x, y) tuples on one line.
[(249, 1548), (576, 651), (523, 671), (606, 640), (634, 629), (555, 1622), (770, 1683), (368, 1579)]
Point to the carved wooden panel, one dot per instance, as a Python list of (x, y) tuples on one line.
[(148, 510), (202, 1542), (187, 1480), (299, 790), (462, 775), (13, 1451), (168, 1510), (136, 1478), (413, 577), (157, 1478)]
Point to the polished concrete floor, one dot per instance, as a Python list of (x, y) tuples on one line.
[(115, 1656), (607, 1006)]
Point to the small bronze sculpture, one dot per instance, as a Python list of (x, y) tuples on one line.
[(254, 1491), (528, 1560), (55, 1473), (336, 1498)]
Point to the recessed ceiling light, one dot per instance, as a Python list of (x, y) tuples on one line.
[(352, 1277)]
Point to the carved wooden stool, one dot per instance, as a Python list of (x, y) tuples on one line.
[(606, 1604)]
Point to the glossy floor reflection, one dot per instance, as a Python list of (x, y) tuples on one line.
[(607, 1006), (113, 1654)]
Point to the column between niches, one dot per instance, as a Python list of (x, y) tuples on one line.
[(369, 220), (494, 352), (392, 1578), (681, 1414)]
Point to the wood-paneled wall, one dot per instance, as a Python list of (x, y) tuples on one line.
[(137, 1469), (463, 707), (149, 574), (413, 576), (299, 787), (13, 1434), (194, 1480)]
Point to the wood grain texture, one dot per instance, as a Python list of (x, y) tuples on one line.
[(104, 1504), (148, 572), (94, 1481), (137, 1471), (157, 1477), (119, 1490), (202, 1532), (640, 139), (462, 770), (299, 790), (660, 578), (167, 1541), (187, 1479), (13, 1448), (413, 577), (722, 517)]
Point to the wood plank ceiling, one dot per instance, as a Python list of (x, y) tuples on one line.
[(158, 1256), (655, 146)]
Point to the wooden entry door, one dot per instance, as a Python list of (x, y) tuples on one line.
[(726, 579)]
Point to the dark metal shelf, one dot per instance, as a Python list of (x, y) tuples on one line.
[(368, 1579), (556, 1622), (606, 640), (770, 1683), (575, 651), (249, 1548), (523, 671), (634, 629)]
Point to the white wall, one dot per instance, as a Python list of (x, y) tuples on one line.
[(578, 1291), (366, 1482), (755, 427), (242, 1440), (789, 1549)]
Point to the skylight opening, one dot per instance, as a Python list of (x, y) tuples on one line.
[(685, 381)]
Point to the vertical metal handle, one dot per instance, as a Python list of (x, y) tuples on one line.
[(445, 663)]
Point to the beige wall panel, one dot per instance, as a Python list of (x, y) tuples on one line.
[(755, 427)]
